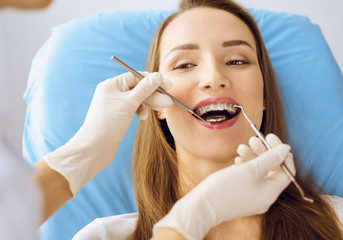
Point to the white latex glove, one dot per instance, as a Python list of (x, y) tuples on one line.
[(237, 191), (256, 148), (111, 111)]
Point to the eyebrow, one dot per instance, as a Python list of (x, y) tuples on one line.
[(233, 43), (193, 46), (187, 46)]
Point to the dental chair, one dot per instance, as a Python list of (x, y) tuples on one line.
[(77, 56)]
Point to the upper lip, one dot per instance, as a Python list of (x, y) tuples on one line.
[(215, 100)]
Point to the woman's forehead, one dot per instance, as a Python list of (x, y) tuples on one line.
[(204, 25)]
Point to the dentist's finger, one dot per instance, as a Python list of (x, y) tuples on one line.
[(157, 101), (166, 84), (142, 112), (273, 140), (257, 146), (146, 87), (238, 160), (245, 153), (270, 159)]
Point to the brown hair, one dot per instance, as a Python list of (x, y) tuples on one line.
[(155, 167)]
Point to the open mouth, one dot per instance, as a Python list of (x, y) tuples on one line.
[(217, 112)]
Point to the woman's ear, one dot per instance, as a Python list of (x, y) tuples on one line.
[(161, 115), (264, 104)]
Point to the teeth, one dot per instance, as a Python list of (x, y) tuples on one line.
[(221, 106), (216, 107)]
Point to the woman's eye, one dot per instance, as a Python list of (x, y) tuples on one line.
[(236, 62), (184, 66)]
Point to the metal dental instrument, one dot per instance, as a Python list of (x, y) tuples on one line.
[(161, 90), (283, 165)]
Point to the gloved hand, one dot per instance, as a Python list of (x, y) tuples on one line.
[(111, 111), (237, 191), (256, 148)]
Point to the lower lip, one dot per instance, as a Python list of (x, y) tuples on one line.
[(220, 125)]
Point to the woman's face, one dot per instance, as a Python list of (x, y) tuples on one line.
[(210, 57)]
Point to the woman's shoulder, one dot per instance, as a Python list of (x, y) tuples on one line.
[(115, 227), (337, 203)]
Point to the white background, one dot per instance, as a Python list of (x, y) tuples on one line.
[(23, 33)]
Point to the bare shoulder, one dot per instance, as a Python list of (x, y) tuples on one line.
[(118, 227), (337, 203)]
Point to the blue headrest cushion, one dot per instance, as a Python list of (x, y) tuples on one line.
[(77, 56)]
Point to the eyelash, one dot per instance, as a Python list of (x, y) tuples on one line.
[(229, 63), (183, 66), (235, 62)]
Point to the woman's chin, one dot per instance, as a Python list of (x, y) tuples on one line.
[(220, 160)]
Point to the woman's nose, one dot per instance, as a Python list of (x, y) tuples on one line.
[(214, 79)]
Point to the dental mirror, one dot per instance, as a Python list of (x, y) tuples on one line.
[(217, 118)]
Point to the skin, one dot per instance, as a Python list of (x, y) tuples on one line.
[(203, 69), (54, 189), (210, 71)]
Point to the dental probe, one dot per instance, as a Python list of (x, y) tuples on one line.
[(283, 165), (161, 90)]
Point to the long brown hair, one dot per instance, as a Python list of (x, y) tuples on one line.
[(155, 167)]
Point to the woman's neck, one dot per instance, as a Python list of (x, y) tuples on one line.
[(191, 172), (247, 228)]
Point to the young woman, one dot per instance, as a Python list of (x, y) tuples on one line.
[(214, 55)]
